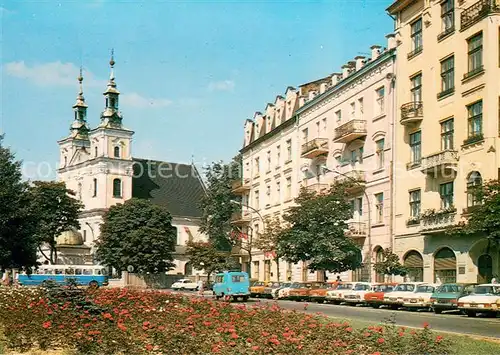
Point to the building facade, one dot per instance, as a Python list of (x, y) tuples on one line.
[(97, 164), (446, 135), (337, 127)]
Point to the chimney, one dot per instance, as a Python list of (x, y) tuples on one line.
[(322, 88), (336, 78), (391, 41), (375, 51), (345, 70), (302, 100), (359, 61), (312, 94)]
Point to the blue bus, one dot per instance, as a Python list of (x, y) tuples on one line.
[(83, 275), (232, 285)]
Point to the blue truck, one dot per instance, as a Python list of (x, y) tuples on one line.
[(232, 285)]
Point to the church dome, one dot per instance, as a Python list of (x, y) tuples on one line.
[(70, 237)]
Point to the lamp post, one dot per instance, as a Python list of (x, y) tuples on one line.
[(368, 224)]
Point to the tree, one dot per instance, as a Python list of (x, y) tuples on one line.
[(204, 256), (317, 231), (390, 264), (268, 240), (56, 211), (216, 205), (17, 225), (137, 233)]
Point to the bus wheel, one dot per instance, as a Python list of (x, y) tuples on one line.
[(93, 284)]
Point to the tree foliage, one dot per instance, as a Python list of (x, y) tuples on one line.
[(205, 256), (216, 205), (137, 233), (56, 211), (317, 231), (268, 240), (390, 265), (17, 225)]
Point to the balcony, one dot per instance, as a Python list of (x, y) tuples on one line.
[(349, 131), (318, 188), (240, 187), (356, 177), (477, 12), (241, 218), (314, 148), (437, 221), (412, 112), (440, 163), (356, 229)]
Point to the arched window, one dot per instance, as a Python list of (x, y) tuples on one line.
[(445, 266), (474, 181), (379, 257), (95, 151), (188, 269), (117, 188), (94, 188), (414, 263), (113, 102), (117, 152)]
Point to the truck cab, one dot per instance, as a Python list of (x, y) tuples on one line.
[(232, 285)]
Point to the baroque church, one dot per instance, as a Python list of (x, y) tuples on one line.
[(97, 164)]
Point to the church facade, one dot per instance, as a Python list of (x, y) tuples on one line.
[(97, 164)]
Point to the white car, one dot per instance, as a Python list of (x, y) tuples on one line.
[(285, 291), (185, 284), (336, 296), (357, 294), (421, 298), (484, 299), (395, 299), (275, 291)]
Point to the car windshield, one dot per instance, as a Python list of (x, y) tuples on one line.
[(286, 284), (405, 288), (484, 290), (451, 288), (344, 287), (295, 285), (361, 287), (424, 289), (260, 283), (384, 288)]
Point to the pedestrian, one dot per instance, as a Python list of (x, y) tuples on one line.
[(338, 279), (200, 287), (493, 280)]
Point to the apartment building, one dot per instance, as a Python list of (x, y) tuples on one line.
[(447, 133), (336, 127)]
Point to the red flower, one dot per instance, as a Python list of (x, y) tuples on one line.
[(249, 340), (121, 326), (426, 325), (381, 340), (47, 324), (234, 336), (401, 334), (107, 316), (255, 348), (439, 338), (348, 329), (149, 347)]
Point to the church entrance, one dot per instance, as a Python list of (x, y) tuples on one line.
[(485, 268)]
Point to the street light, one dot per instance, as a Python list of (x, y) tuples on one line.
[(369, 234)]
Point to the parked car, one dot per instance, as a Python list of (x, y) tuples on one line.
[(185, 284), (257, 288), (375, 298), (420, 299), (268, 291), (337, 296), (302, 293), (275, 291), (284, 292), (232, 285), (445, 297), (319, 294), (484, 299), (357, 294), (395, 299)]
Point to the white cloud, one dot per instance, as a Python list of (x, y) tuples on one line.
[(4, 11), (50, 74), (224, 85), (135, 100)]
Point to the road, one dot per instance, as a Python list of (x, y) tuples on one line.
[(447, 322)]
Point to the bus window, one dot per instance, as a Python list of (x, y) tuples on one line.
[(104, 272), (87, 272), (69, 272), (59, 271), (97, 271), (78, 271), (48, 271)]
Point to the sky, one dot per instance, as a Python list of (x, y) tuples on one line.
[(190, 72)]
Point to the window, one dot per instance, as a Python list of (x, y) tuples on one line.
[(338, 115), (380, 153), (446, 193), (380, 100), (416, 147), (256, 198), (416, 37), (448, 16), (415, 203), (447, 134), (117, 152), (354, 156), (268, 194), (357, 207), (94, 188), (416, 88), (318, 132), (112, 102), (117, 188), (324, 125), (278, 156), (353, 109), (305, 135), (289, 150), (238, 278), (84, 235), (95, 151), (268, 161), (379, 207), (278, 192), (361, 107), (475, 54), (475, 119), (360, 154), (448, 75), (257, 166), (474, 182), (288, 194)]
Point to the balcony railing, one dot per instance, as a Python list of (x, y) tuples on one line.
[(440, 163), (412, 112), (446, 32), (241, 218), (314, 148), (356, 229), (318, 188), (477, 12), (350, 131), (240, 187), (415, 52), (437, 222)]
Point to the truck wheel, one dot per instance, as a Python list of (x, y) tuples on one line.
[(470, 313), (320, 301), (93, 284), (438, 311)]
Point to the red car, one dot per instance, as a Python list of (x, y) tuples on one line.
[(376, 298)]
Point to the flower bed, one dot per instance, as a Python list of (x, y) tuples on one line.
[(134, 322)]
